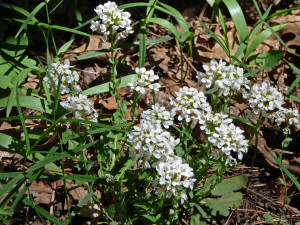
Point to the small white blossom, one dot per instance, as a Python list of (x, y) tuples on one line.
[(229, 138), (173, 173), (188, 102), (223, 78), (109, 178), (113, 21), (63, 75), (264, 98), (159, 115), (152, 140), (81, 107), (145, 79)]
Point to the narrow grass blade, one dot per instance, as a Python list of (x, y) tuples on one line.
[(123, 45), (18, 9), (31, 15), (15, 145), (142, 47), (9, 186), (297, 80), (65, 47), (238, 18), (30, 102), (20, 79), (297, 184), (22, 120), (261, 37), (136, 4), (20, 194), (294, 98), (217, 11), (79, 206), (43, 212), (105, 87), (166, 24)]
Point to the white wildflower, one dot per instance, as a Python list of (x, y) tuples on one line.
[(223, 78), (113, 21), (188, 102), (61, 74), (173, 173), (159, 115), (81, 107), (264, 98), (145, 79), (229, 139)]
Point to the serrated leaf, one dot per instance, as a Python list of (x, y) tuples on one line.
[(230, 184)]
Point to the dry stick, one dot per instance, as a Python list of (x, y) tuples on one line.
[(52, 197), (229, 217), (269, 200)]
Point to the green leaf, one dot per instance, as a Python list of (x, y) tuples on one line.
[(4, 212), (197, 220), (131, 5), (232, 199), (123, 45), (267, 60), (64, 48), (20, 79), (216, 206), (142, 47), (294, 98), (105, 87), (15, 145), (261, 37), (166, 24), (268, 218), (15, 46), (30, 102), (111, 210), (217, 11), (230, 184), (238, 18)]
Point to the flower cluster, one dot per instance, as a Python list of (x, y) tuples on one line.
[(113, 21), (81, 107), (289, 116), (63, 75), (188, 102), (152, 140), (264, 98), (229, 138), (154, 144), (223, 78), (145, 79), (159, 115), (221, 132), (173, 172)]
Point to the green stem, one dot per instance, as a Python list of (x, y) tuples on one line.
[(256, 138)]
